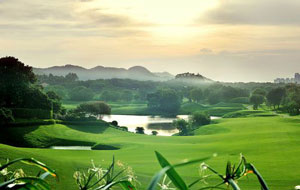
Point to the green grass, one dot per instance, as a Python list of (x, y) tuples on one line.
[(214, 110), (250, 113), (271, 143)]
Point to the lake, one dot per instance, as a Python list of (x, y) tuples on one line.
[(163, 125)]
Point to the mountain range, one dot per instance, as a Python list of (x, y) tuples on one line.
[(100, 72)]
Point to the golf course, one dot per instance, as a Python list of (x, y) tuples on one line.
[(270, 142)]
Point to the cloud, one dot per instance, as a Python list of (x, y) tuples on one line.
[(254, 12), (69, 16)]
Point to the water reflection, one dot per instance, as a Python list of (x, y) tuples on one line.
[(150, 123)]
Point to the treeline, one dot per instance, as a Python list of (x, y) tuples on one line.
[(70, 88), (285, 98), (167, 97)]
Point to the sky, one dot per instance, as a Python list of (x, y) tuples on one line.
[(225, 40)]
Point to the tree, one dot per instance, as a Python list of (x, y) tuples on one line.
[(164, 100), (155, 133), (292, 100), (182, 126), (260, 91), (110, 96), (256, 100), (35, 98), (275, 96), (198, 119), (15, 77), (81, 93), (214, 98), (140, 130), (196, 94), (56, 101), (71, 77), (94, 108), (126, 95)]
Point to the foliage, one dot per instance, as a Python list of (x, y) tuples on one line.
[(57, 80), (164, 100), (199, 119), (81, 93), (114, 123), (18, 180), (275, 96), (196, 94), (256, 100), (182, 125), (97, 178), (16, 82), (195, 120), (27, 113), (56, 102), (140, 130), (233, 174), (73, 115), (93, 108), (154, 133), (6, 116), (241, 100), (260, 91), (110, 96), (292, 100)]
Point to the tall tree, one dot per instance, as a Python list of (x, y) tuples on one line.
[(196, 94), (256, 100), (275, 96), (15, 77), (164, 100)]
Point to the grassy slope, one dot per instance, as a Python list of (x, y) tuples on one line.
[(271, 143)]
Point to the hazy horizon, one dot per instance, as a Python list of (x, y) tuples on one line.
[(225, 40)]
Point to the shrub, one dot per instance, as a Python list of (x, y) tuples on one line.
[(32, 113), (124, 128), (154, 133), (140, 130), (75, 116), (93, 108), (182, 126), (198, 119), (114, 123)]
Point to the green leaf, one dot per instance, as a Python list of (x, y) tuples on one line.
[(36, 182), (156, 178), (261, 180), (30, 161), (233, 184), (28, 183), (171, 172), (126, 185)]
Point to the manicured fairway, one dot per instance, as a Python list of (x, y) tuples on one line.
[(272, 144)]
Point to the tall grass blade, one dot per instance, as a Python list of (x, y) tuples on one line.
[(261, 180), (171, 172)]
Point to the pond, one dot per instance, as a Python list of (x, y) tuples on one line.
[(163, 125), (71, 147)]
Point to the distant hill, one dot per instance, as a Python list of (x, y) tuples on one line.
[(191, 77), (100, 72)]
